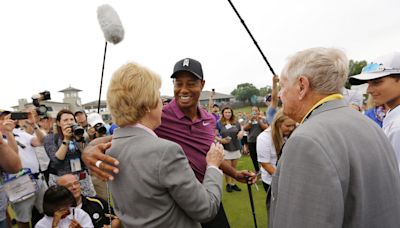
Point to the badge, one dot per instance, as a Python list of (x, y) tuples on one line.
[(75, 164), (96, 215)]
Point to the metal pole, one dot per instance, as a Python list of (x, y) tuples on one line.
[(102, 73), (254, 40)]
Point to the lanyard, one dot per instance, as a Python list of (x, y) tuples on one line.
[(335, 96)]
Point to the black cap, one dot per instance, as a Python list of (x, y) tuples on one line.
[(80, 111), (4, 112), (190, 65)]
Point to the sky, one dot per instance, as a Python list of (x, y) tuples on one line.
[(50, 45)]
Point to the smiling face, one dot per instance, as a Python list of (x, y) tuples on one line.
[(72, 184), (187, 89), (385, 90)]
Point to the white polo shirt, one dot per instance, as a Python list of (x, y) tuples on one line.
[(26, 152), (266, 153), (79, 215), (391, 127)]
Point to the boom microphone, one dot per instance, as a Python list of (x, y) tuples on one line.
[(113, 32), (110, 24)]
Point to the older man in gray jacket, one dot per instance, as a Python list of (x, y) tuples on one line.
[(338, 169)]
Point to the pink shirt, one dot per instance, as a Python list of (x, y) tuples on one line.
[(195, 138)]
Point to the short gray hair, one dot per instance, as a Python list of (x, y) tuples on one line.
[(325, 68)]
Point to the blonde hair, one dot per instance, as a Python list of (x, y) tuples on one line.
[(325, 68), (133, 90), (277, 136)]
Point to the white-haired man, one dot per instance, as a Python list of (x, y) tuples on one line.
[(338, 168)]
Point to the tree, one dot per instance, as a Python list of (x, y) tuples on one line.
[(245, 91), (264, 91), (355, 67)]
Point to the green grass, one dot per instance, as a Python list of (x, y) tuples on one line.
[(247, 110), (237, 204)]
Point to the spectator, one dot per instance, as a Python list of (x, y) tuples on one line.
[(269, 145), (60, 210), (230, 134), (375, 112), (64, 150), (9, 161), (97, 208), (26, 151), (96, 129), (337, 163), (274, 100), (383, 78), (255, 125), (163, 191)]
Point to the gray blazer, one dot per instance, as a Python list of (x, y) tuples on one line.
[(337, 169), (156, 186)]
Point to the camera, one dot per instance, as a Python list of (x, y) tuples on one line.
[(41, 110), (100, 128), (77, 130), (19, 115)]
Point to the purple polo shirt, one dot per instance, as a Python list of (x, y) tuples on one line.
[(195, 138)]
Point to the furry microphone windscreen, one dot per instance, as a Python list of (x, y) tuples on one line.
[(110, 24)]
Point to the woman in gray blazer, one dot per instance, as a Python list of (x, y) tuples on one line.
[(155, 187)]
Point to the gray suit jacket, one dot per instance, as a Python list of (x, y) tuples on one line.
[(156, 186), (337, 169)]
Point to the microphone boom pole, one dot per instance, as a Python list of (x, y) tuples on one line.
[(254, 40), (102, 74)]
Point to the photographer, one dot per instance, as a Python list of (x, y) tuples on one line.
[(9, 161), (96, 126), (96, 129), (64, 150)]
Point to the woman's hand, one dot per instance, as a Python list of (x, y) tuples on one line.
[(58, 215), (215, 155), (67, 132), (74, 224)]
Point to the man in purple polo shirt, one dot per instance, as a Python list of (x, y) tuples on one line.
[(185, 123)]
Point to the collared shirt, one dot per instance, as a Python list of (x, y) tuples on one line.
[(391, 127), (320, 102), (144, 128), (195, 137), (26, 152), (78, 214), (96, 208)]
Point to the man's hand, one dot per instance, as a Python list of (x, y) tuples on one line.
[(96, 152), (241, 176)]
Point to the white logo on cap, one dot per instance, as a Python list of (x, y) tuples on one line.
[(185, 62)]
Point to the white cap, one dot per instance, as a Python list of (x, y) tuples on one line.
[(94, 118), (380, 67)]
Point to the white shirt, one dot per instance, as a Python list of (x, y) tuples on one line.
[(81, 216), (266, 153), (391, 127), (28, 153)]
